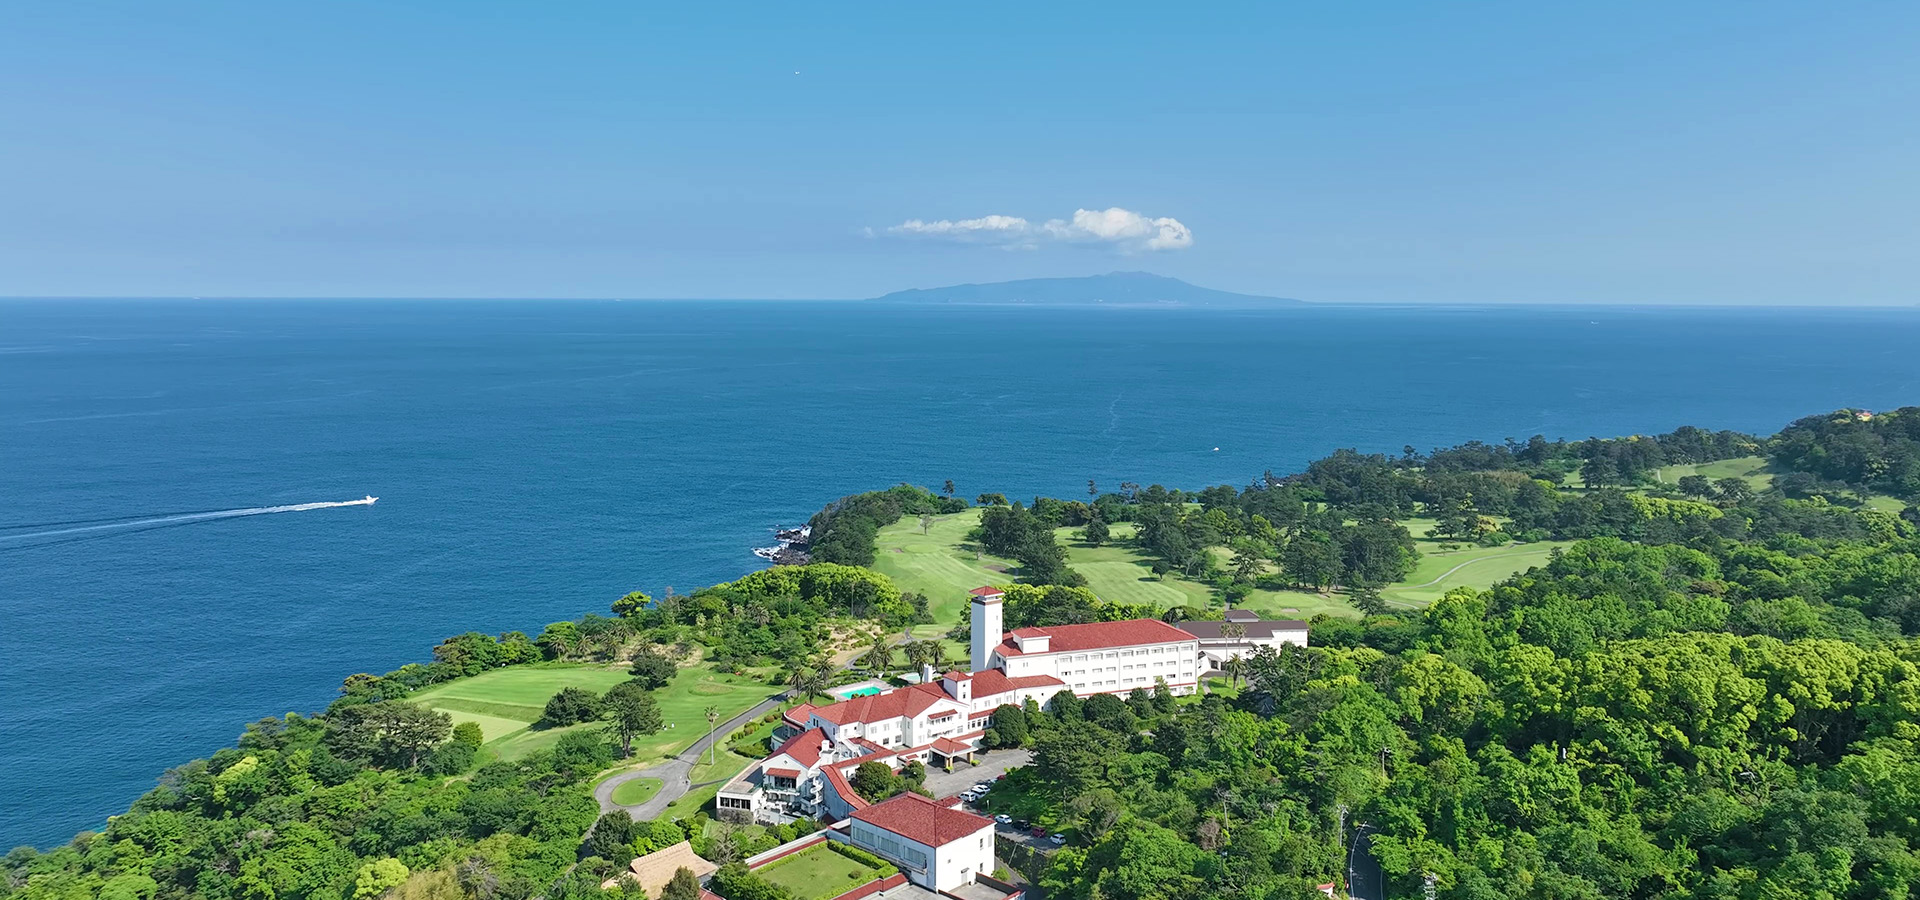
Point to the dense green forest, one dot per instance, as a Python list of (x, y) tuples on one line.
[(1631, 721), (1713, 694), (1855, 450)]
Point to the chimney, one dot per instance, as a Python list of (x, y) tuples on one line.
[(926, 673)]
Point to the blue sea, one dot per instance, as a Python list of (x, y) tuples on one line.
[(536, 460)]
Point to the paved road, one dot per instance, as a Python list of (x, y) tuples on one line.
[(674, 773), (1365, 881)]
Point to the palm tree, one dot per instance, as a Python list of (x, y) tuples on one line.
[(796, 676), (937, 653), (814, 683), (880, 655), (1235, 668), (917, 654)]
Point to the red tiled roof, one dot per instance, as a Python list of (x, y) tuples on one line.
[(898, 703), (957, 675), (923, 821), (799, 714), (949, 746), (840, 786), (1097, 636), (988, 591), (782, 773), (869, 746), (805, 746), (994, 681)]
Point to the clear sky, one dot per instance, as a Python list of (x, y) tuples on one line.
[(1664, 152)]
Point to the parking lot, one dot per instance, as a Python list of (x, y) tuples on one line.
[(992, 765)]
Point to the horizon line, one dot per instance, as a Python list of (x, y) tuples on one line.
[(1281, 303)]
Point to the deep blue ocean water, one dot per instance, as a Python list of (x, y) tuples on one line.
[(536, 460)]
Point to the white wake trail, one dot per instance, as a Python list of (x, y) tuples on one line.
[(191, 517)]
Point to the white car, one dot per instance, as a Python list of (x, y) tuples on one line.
[(983, 787), (1003, 819)]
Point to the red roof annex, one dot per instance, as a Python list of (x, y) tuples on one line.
[(1096, 636), (805, 746), (838, 783), (988, 591), (922, 821), (906, 702)]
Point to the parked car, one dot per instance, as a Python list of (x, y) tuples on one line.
[(1022, 824), (1037, 831), (983, 787), (1003, 819), (1057, 838)]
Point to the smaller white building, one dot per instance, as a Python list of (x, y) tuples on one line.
[(937, 847), (1241, 634)]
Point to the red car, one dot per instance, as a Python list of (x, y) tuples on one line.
[(1037, 831)]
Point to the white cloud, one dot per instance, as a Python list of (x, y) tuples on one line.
[(985, 228), (1124, 229)]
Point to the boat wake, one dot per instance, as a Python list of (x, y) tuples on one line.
[(106, 527)]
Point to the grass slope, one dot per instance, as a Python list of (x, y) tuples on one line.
[(1751, 469), (943, 565), (506, 703)]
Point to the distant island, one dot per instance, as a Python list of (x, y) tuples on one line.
[(1112, 289)]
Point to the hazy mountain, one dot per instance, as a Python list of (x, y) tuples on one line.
[(1114, 289)]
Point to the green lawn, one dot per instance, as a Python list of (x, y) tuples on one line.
[(505, 703), (941, 564), (1752, 469), (1438, 572), (817, 873), (1885, 503), (1118, 572), (637, 791), (944, 566)]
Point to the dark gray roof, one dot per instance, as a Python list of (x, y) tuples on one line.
[(1263, 628)]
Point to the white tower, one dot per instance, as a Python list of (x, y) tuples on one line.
[(987, 626)]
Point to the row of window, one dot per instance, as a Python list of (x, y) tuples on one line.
[(887, 845)]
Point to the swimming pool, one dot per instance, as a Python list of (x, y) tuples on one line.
[(858, 689)]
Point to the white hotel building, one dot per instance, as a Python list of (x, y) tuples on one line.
[(938, 721), (1096, 658)]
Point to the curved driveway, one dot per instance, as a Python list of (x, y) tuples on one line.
[(674, 774)]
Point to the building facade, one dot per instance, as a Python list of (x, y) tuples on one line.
[(940, 720), (1241, 634), (937, 847)]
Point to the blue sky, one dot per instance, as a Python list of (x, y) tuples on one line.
[(1490, 152)]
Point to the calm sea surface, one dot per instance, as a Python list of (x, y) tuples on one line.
[(534, 461)]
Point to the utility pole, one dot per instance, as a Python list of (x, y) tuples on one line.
[(713, 716)]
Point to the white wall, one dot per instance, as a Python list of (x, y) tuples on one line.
[(958, 862), (1115, 670), (945, 867)]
